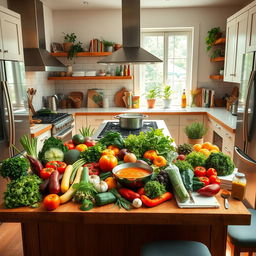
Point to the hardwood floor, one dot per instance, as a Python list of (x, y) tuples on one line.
[(10, 239)]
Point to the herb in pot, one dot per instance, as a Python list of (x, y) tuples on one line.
[(195, 130), (212, 36), (14, 168)]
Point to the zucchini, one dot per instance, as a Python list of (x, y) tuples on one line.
[(105, 198), (85, 175), (178, 186), (65, 180)]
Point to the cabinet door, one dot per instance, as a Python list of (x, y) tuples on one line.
[(11, 37), (251, 31), (240, 45), (96, 121), (80, 121), (230, 52)]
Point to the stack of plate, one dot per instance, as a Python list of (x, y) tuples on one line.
[(78, 73), (226, 181)]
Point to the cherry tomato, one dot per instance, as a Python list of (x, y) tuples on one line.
[(108, 152), (81, 147), (150, 154), (205, 180), (45, 173), (214, 179), (115, 149), (107, 163), (210, 172), (51, 202), (200, 171)]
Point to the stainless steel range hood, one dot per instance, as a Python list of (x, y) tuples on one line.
[(33, 32), (131, 51)]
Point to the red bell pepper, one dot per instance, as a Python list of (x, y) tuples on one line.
[(46, 173), (156, 201), (141, 191), (210, 190), (128, 194)]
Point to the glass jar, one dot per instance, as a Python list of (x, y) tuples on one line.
[(238, 186)]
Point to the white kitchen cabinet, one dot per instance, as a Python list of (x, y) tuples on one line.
[(11, 47), (235, 47), (251, 31)]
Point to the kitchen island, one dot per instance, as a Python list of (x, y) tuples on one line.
[(108, 230)]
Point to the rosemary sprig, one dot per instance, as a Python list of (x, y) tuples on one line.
[(120, 201)]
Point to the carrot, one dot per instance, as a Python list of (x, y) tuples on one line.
[(156, 201)]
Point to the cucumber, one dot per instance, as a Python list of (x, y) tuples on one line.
[(105, 198), (178, 186), (85, 174)]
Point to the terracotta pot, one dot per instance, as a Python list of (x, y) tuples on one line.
[(67, 46), (195, 141), (151, 103), (117, 46)]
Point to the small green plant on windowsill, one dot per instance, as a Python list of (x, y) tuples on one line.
[(212, 36), (167, 92)]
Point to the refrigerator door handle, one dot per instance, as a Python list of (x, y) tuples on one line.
[(245, 118), (9, 113), (244, 158)]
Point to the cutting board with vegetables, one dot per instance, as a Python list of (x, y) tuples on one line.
[(199, 202), (119, 97)]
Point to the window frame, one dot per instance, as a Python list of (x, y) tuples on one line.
[(166, 33)]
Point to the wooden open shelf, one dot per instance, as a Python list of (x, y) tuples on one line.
[(89, 77), (221, 40), (216, 77), (218, 59), (82, 54)]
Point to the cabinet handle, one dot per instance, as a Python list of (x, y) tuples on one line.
[(228, 135), (0, 50), (232, 74), (5, 51)]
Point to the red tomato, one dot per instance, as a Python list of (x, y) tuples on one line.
[(70, 146), (205, 180), (181, 157), (61, 167), (51, 202), (210, 172), (107, 163), (200, 171), (214, 179), (115, 149), (94, 168), (46, 173), (52, 164)]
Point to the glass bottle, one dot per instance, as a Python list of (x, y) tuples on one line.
[(184, 99), (128, 70), (238, 186), (121, 70)]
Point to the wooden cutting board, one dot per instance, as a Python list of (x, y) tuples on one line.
[(95, 98), (118, 99)]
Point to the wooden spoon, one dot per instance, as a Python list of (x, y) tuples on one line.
[(225, 194)]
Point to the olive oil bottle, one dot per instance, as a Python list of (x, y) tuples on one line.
[(184, 99)]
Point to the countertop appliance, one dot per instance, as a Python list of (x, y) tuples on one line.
[(62, 124), (115, 127), (14, 114), (245, 141)]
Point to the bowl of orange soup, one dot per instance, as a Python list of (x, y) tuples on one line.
[(133, 175)]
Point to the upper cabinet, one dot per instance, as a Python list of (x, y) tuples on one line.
[(235, 47), (251, 32), (11, 47)]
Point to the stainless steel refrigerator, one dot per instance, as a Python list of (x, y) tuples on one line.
[(245, 142), (14, 120)]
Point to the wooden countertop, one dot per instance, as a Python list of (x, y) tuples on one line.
[(39, 129), (166, 213)]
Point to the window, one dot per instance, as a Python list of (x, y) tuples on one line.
[(175, 49)]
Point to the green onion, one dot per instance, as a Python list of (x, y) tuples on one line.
[(87, 131), (29, 144), (120, 201)]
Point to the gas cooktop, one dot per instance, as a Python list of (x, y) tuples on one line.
[(51, 118), (115, 127)]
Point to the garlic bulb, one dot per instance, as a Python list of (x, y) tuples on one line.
[(102, 186), (94, 179), (136, 203)]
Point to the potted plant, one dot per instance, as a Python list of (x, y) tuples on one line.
[(167, 96), (151, 96), (213, 35), (69, 40), (74, 49), (108, 46), (195, 133)]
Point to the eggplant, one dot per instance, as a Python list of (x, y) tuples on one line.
[(35, 164), (54, 183)]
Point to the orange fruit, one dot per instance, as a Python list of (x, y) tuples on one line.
[(214, 147), (214, 151), (205, 151), (197, 147), (207, 145)]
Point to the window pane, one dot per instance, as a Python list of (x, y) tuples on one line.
[(152, 74), (180, 46)]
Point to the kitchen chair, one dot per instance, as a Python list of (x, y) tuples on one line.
[(175, 248), (243, 238)]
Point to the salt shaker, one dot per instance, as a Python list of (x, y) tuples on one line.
[(105, 103)]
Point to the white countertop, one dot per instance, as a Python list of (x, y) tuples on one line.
[(220, 114)]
